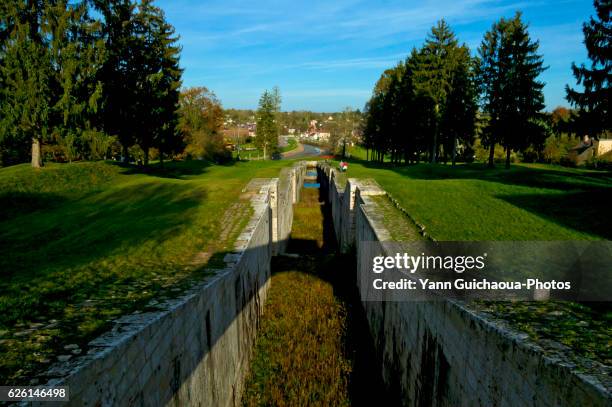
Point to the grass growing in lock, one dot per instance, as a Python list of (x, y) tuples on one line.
[(300, 356)]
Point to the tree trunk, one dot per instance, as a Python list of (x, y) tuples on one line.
[(434, 148), (126, 155), (367, 154), (146, 156), (507, 157), (454, 150), (492, 155), (36, 152), (161, 159), (264, 152)]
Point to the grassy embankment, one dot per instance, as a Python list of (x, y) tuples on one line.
[(527, 202), (84, 243)]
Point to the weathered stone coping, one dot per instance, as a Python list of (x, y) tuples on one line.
[(405, 331), (193, 349)]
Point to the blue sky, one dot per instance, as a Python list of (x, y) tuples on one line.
[(325, 55)]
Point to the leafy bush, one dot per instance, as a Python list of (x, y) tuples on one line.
[(99, 143), (70, 146), (556, 149), (136, 153)]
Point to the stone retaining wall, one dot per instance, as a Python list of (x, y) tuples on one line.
[(328, 178), (442, 353), (195, 349), (288, 190)]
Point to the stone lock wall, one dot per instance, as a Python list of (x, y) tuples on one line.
[(439, 352), (328, 178), (288, 189), (194, 350)]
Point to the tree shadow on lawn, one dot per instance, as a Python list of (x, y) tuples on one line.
[(578, 200), (16, 203), (87, 230), (584, 211), (89, 260), (552, 178), (173, 169)]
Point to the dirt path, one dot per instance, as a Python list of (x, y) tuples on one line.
[(304, 151), (294, 152)]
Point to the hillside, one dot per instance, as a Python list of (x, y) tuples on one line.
[(87, 242)]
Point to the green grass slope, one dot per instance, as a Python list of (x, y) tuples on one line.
[(526, 202), (84, 243)]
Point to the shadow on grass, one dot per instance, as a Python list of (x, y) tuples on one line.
[(56, 250), (15, 203), (25, 361), (173, 169), (584, 211), (578, 199), (555, 177), (57, 267)]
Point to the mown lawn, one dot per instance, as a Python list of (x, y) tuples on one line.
[(84, 243), (526, 202)]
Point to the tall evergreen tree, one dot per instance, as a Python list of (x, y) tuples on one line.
[(26, 73), (459, 119), (119, 72), (78, 50), (433, 75), (371, 125), (49, 53), (378, 126), (512, 95), (594, 100), (390, 125), (267, 129), (158, 83), (142, 76), (417, 111)]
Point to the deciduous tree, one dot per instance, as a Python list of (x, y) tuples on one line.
[(201, 121)]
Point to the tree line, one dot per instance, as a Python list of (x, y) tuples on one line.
[(85, 75), (434, 104)]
